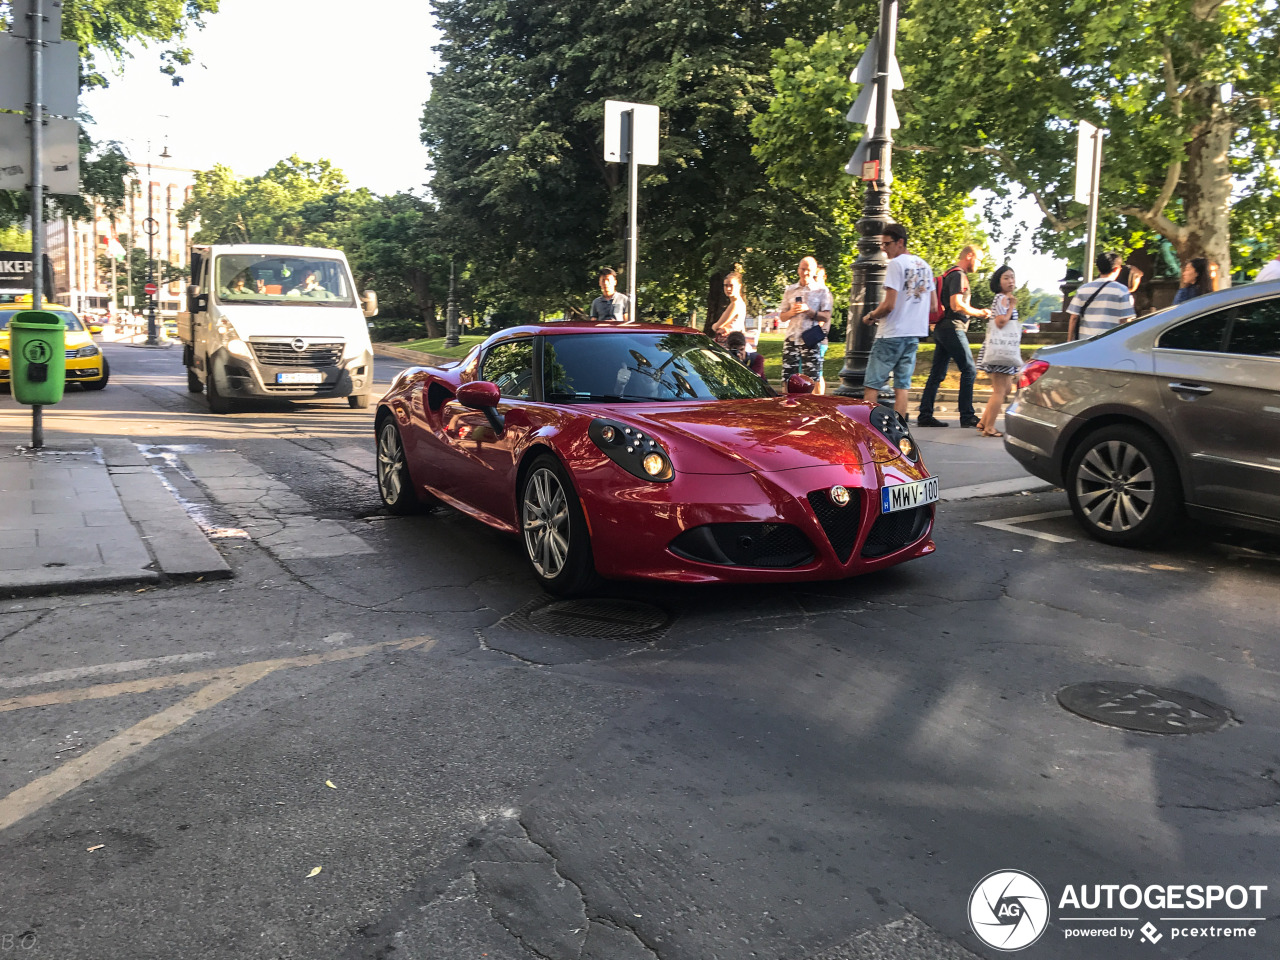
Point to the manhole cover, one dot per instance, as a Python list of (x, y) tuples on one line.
[(606, 619), (1137, 706)]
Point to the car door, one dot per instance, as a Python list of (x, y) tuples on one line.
[(1219, 376), (485, 461)]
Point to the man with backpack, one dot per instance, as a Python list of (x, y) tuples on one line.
[(1100, 304), (951, 342)]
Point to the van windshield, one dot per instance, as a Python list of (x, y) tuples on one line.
[(275, 279)]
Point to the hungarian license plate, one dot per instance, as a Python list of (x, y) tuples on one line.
[(904, 496), (299, 378)]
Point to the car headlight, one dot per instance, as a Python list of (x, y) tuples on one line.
[(895, 430), (4, 354), (633, 450), (89, 351)]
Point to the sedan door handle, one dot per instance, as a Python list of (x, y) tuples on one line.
[(1190, 388)]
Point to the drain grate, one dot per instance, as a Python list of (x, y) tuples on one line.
[(1147, 709), (602, 619)]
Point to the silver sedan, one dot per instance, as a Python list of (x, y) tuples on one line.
[(1176, 412)]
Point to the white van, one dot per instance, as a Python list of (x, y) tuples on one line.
[(267, 321)]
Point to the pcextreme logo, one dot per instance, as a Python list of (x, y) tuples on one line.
[(1009, 910)]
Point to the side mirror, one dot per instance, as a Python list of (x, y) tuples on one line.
[(369, 303), (799, 383), (482, 395), (479, 395)]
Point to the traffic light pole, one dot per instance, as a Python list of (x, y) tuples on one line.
[(867, 287), (35, 111)]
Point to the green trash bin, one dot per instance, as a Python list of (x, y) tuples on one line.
[(37, 356)]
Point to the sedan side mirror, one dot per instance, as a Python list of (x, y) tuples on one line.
[(369, 303), (799, 383)]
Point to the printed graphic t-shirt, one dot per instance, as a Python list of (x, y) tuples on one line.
[(912, 278)]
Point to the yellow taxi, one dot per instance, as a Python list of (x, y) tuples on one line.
[(86, 364)]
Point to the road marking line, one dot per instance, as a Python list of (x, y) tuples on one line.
[(1008, 525), (124, 666), (221, 685)]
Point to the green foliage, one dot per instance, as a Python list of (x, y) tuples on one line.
[(996, 104), (15, 239)]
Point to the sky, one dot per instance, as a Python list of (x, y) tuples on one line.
[(327, 79)]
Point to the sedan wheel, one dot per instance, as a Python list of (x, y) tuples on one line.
[(394, 483), (1123, 486), (555, 531)]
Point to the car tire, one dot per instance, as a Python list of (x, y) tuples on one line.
[(217, 402), (1123, 486), (194, 383), (395, 484), (358, 401), (100, 384), (554, 530)]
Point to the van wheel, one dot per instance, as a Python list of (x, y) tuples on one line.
[(217, 402), (194, 384), (358, 401), (1123, 486)]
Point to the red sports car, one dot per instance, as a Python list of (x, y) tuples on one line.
[(646, 451)]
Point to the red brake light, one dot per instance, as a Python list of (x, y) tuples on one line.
[(1031, 372)]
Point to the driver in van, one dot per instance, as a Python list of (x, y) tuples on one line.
[(309, 287), (237, 287)]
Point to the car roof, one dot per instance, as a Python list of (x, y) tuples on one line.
[(604, 327)]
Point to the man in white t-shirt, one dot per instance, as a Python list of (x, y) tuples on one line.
[(909, 297)]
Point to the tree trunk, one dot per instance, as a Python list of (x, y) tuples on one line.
[(1206, 191), (716, 301), (420, 281)]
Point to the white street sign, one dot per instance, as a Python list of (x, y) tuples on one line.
[(51, 29), (1086, 159), (61, 155), (865, 71), (864, 109), (645, 131), (59, 65)]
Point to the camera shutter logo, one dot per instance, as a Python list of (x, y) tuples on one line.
[(1008, 910)]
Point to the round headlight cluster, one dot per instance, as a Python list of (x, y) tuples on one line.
[(628, 447)]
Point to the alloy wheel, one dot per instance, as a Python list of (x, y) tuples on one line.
[(545, 519), (1115, 486), (390, 464)]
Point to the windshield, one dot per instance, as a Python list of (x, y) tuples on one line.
[(643, 366), (271, 278), (69, 320)]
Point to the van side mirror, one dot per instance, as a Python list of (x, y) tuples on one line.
[(196, 301), (369, 303)]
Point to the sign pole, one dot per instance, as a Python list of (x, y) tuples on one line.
[(34, 116), (633, 196), (1095, 175)]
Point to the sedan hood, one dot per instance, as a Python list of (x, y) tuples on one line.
[(762, 435)]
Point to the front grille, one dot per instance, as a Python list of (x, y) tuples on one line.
[(893, 531), (280, 353), (299, 389), (840, 524), (71, 354), (745, 545)]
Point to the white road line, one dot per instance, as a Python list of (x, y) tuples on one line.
[(1008, 525), (125, 666)]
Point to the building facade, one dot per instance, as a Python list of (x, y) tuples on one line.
[(75, 247)]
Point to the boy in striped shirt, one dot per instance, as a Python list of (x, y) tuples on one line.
[(1100, 304)]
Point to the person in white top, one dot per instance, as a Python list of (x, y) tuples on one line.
[(909, 297), (1270, 271), (735, 314)]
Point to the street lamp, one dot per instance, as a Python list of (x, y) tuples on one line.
[(152, 227), (451, 331)]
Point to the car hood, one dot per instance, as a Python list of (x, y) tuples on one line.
[(74, 339), (761, 435), (304, 320)]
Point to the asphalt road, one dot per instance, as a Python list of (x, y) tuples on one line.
[(369, 743)]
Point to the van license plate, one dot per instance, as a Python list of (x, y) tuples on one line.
[(299, 378), (904, 496)]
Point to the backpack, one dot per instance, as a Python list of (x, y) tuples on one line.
[(936, 315)]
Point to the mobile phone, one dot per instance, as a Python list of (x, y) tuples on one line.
[(799, 299)]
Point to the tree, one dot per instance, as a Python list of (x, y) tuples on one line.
[(515, 123), (803, 139), (1188, 91)]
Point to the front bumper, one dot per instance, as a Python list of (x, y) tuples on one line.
[(243, 377), (751, 528), (79, 369)]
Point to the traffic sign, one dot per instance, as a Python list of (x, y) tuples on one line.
[(151, 289)]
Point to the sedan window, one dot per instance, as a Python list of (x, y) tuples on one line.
[(510, 366), (1256, 331), (1205, 334)]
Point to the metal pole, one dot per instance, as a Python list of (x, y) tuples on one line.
[(152, 332), (633, 193), (867, 287), (451, 331), (35, 115), (1095, 175)]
